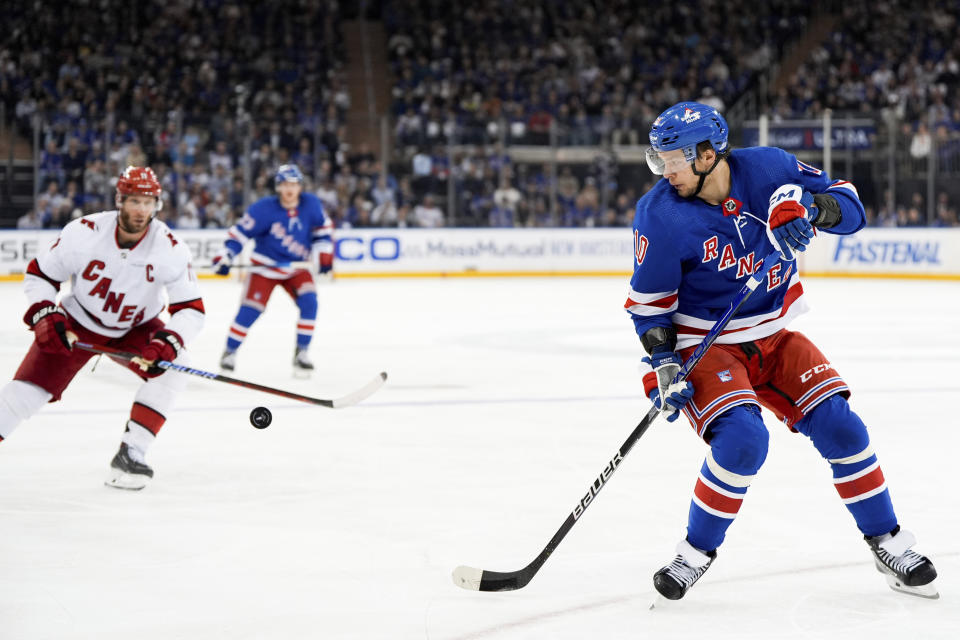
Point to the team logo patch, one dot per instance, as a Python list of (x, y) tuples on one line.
[(725, 376), (731, 207)]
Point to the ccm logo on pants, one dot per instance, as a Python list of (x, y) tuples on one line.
[(809, 373)]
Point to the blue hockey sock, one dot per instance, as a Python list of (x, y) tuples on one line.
[(841, 438), (246, 316), (738, 447), (307, 302)]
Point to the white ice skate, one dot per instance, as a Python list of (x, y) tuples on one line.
[(302, 365), (228, 361), (128, 470)]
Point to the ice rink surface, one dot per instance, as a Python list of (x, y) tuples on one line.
[(506, 398)]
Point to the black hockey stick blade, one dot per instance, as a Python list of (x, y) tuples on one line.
[(348, 400), (473, 579)]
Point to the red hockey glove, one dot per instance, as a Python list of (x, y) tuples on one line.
[(789, 219), (325, 263), (165, 345), (50, 326)]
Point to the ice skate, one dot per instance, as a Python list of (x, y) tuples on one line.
[(905, 570), (674, 580), (228, 361), (128, 470), (302, 365)]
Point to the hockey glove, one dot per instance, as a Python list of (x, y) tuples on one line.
[(666, 365), (50, 325), (165, 345), (222, 261), (324, 263), (789, 219)]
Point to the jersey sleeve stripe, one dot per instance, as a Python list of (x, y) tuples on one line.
[(843, 184), (651, 304), (33, 269), (234, 233), (196, 305)]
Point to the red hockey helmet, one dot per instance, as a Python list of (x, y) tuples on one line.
[(139, 181)]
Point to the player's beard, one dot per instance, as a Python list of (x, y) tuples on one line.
[(131, 223)]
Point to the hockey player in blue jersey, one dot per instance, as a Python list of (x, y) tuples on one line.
[(698, 233), (287, 229)]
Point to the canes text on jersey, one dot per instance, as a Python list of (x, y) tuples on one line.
[(112, 301)]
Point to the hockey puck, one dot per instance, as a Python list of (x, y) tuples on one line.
[(261, 417)]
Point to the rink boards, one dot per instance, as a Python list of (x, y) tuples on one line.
[(925, 253)]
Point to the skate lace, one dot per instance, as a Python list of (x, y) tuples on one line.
[(683, 573), (903, 563)]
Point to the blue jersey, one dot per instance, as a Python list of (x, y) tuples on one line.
[(281, 235), (691, 258)]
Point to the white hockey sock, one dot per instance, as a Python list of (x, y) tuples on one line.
[(138, 440), (19, 400)]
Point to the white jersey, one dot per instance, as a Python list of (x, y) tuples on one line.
[(114, 289)]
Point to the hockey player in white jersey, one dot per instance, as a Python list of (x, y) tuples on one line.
[(122, 264)]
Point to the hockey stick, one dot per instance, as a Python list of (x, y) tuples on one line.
[(337, 403), (474, 579), (299, 264)]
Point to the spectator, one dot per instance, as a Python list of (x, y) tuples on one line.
[(218, 211), (74, 161), (507, 197), (30, 220), (51, 164), (220, 157), (428, 214), (190, 214), (921, 142)]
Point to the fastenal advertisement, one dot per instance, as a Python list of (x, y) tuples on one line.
[(872, 252), (885, 252)]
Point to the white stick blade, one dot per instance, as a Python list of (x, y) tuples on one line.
[(362, 393), (467, 578)]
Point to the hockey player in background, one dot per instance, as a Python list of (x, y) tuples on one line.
[(287, 228), (120, 263), (698, 233)]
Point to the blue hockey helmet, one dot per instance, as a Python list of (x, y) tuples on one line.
[(684, 126), (288, 173)]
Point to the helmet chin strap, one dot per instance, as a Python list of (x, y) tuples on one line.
[(703, 175)]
